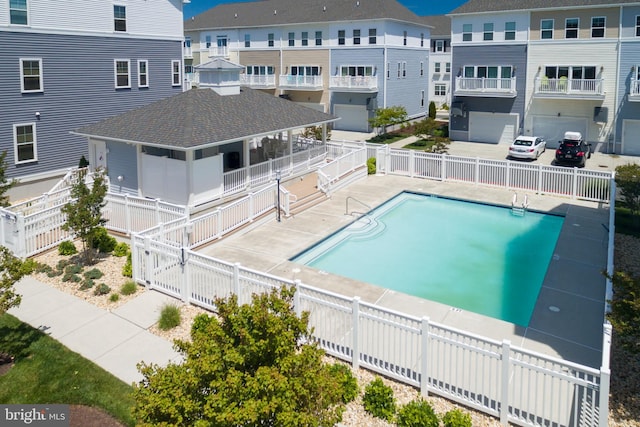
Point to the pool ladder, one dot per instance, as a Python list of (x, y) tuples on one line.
[(355, 212), (519, 210)]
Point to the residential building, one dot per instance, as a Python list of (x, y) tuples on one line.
[(545, 68), (342, 57), (65, 67), (439, 59), (627, 108)]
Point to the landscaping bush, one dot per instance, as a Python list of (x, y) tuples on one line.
[(127, 268), (169, 317), (432, 110), (67, 248), (129, 288), (371, 165), (102, 241), (348, 382), (457, 418), (378, 400), (417, 413), (87, 284), (114, 297), (101, 289), (83, 163), (63, 263), (94, 273), (73, 269), (30, 265), (71, 277), (121, 249)]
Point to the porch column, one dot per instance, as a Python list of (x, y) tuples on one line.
[(324, 133), (189, 156), (246, 159), (290, 146)]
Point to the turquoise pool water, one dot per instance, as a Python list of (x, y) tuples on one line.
[(477, 257)]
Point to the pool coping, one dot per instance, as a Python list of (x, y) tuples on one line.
[(568, 316)]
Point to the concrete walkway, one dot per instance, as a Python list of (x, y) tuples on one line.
[(114, 340)]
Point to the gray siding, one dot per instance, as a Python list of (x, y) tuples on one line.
[(629, 57), (78, 76), (406, 91), (514, 55), (123, 162)]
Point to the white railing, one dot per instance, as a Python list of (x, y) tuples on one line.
[(219, 51), (485, 84), (257, 80), (634, 91), (331, 174), (127, 214), (570, 182), (307, 82), (354, 82), (569, 86)]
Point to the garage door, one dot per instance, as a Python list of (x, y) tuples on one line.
[(631, 137), (352, 117), (496, 128), (552, 129)]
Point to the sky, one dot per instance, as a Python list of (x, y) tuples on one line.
[(419, 7)]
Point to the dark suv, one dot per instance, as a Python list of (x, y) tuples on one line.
[(573, 150)]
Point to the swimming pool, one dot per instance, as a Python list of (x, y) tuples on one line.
[(473, 256)]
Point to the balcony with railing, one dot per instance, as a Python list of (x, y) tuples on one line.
[(565, 88), (188, 52), (486, 87), (634, 91), (258, 81), (353, 83), (218, 52), (300, 82)]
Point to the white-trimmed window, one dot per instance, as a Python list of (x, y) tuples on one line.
[(399, 69), (440, 90), (341, 37), (489, 72), (439, 45), (176, 78), (447, 67), (373, 36), (31, 75), (638, 26), (436, 67), (356, 36), (260, 70), (404, 69), (292, 39), (122, 73), (247, 40), (421, 39), (421, 68), (388, 70), (143, 73), (271, 38), (207, 42), (467, 32), (598, 24), (546, 29), (18, 12), (25, 142), (404, 38), (318, 38), (119, 18), (422, 98), (510, 30), (305, 38), (488, 31), (571, 26), (357, 70), (304, 70)]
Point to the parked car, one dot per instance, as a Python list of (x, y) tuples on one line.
[(573, 150), (527, 147)]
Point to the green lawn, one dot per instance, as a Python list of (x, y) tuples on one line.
[(45, 371), (625, 223), (388, 138)]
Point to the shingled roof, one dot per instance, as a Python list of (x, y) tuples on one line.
[(200, 117), (479, 6), (281, 12), (441, 25)]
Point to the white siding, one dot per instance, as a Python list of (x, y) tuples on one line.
[(498, 20)]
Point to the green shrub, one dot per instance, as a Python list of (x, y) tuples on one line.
[(114, 297), (71, 277), (87, 284), (63, 263), (378, 400), (417, 413), (94, 273), (45, 269), (432, 110), (129, 288), (348, 382), (457, 418), (73, 269), (30, 265), (371, 165), (67, 248), (83, 163), (127, 268), (102, 241), (101, 289), (121, 249), (169, 317)]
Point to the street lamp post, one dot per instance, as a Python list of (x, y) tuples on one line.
[(278, 184)]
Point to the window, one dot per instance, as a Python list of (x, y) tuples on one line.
[(440, 90), (421, 98), (575, 72), (637, 26), (207, 42), (260, 70), (187, 44), (31, 75), (25, 142), (488, 31), (404, 69), (305, 38), (270, 39), (356, 70), (404, 40), (318, 38), (18, 12), (571, 28), (341, 36), (436, 68), (388, 70), (247, 40), (546, 29), (373, 36), (356, 36), (143, 73), (175, 73), (304, 70), (491, 72), (292, 39), (439, 45), (467, 30), (510, 30), (122, 73), (188, 69), (399, 69), (447, 67), (597, 26), (421, 39), (421, 68), (119, 18)]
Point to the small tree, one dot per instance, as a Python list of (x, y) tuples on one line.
[(315, 132), (84, 211), (5, 185), (386, 117), (11, 270), (432, 110), (249, 365), (628, 181)]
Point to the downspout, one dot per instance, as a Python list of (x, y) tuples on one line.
[(617, 91)]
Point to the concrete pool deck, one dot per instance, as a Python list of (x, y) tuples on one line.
[(569, 313)]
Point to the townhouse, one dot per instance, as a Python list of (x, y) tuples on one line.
[(65, 67), (544, 68), (342, 57), (439, 59)]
